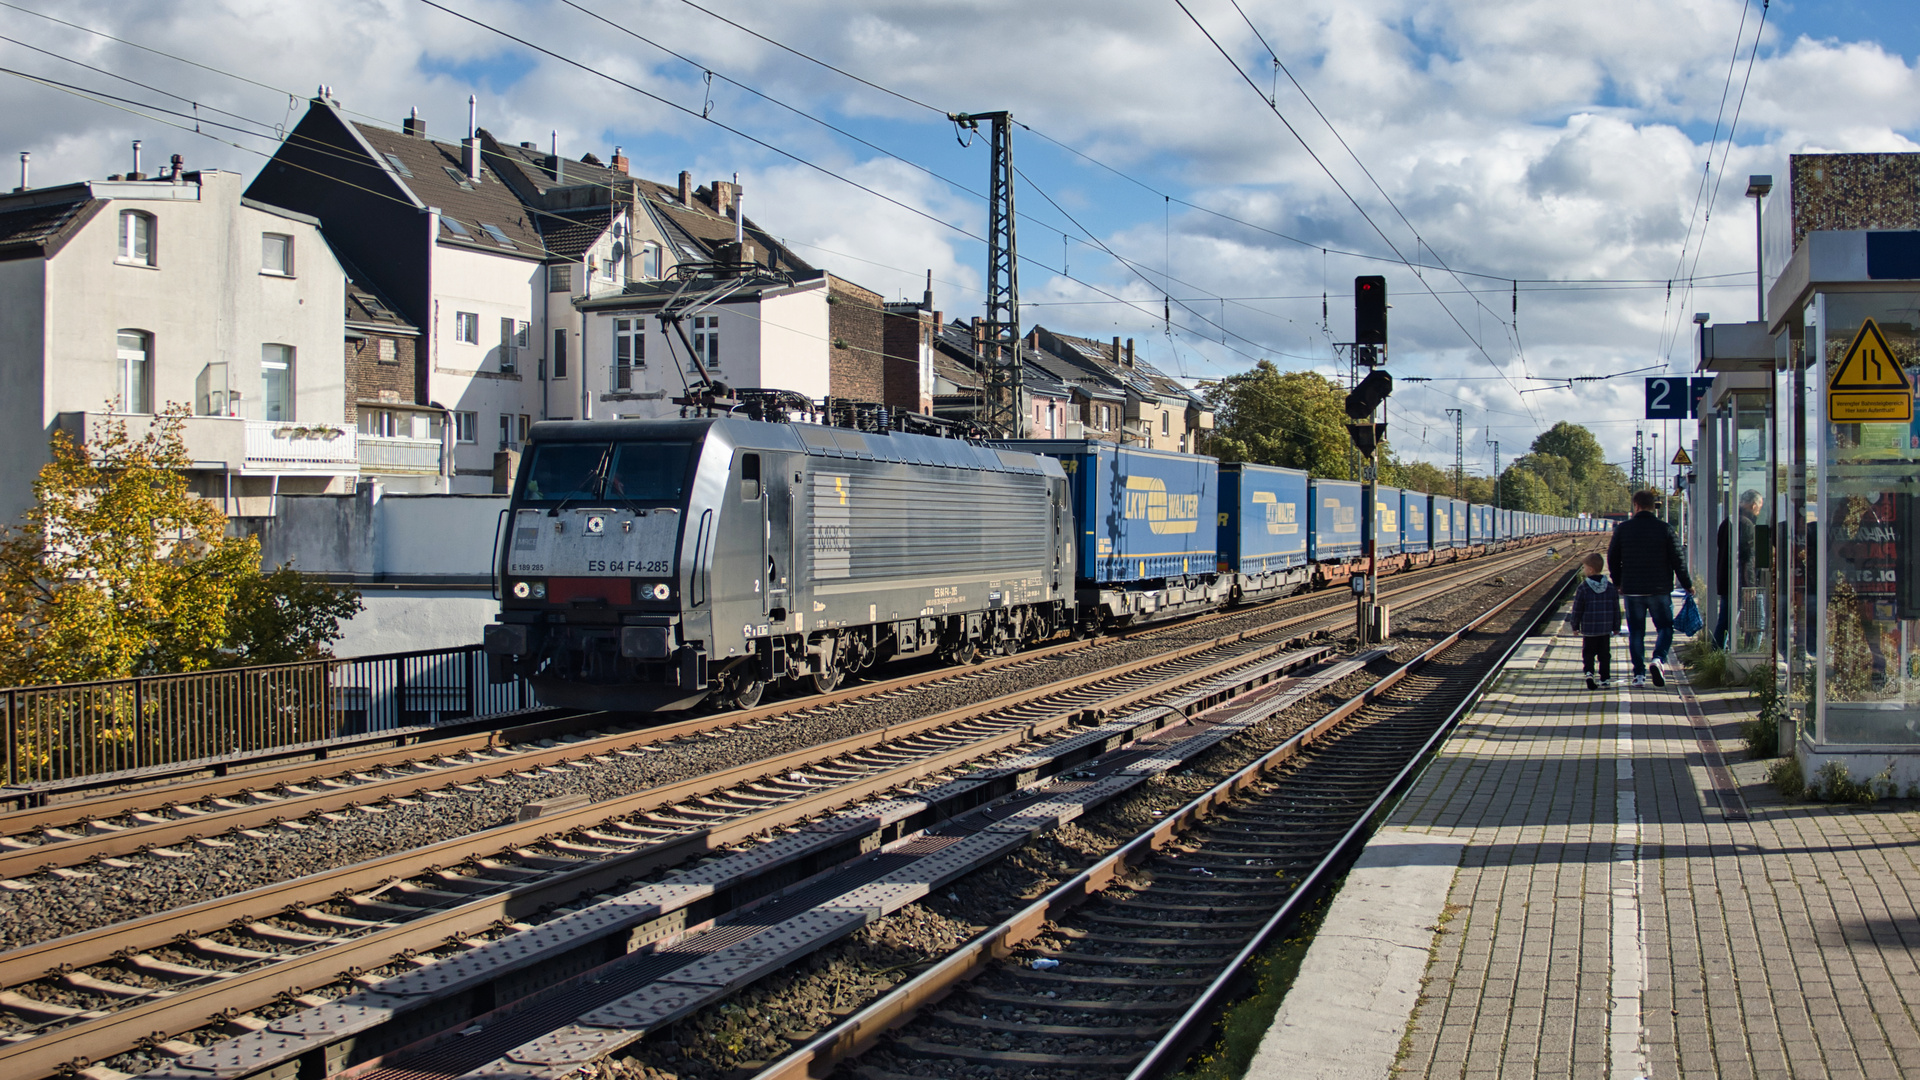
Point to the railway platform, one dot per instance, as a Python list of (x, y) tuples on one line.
[(1594, 884)]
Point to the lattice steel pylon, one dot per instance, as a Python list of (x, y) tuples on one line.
[(1001, 352), (1459, 449)]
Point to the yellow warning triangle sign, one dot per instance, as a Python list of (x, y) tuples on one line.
[(1682, 457), (1869, 364)]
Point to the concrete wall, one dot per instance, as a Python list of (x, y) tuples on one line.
[(794, 342), (423, 563)]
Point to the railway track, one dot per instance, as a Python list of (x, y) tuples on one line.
[(310, 1040), (139, 986), (157, 820), (1122, 970)]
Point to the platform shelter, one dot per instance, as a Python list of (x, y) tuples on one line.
[(1821, 446)]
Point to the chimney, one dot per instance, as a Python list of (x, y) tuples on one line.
[(620, 163), (1117, 354), (1129, 352), (26, 157), (979, 335), (926, 299), (136, 174), (686, 188), (722, 198), (739, 216), (413, 125), (470, 147), (178, 166), (556, 165)]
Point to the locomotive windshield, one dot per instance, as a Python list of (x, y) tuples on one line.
[(652, 473)]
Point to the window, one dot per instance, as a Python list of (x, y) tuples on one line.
[(457, 229), (276, 382), (629, 350), (706, 341), (1166, 419), (458, 177), (649, 260), (466, 327), (559, 354), (749, 477), (498, 236), (466, 427), (136, 371), (607, 268), (136, 238), (381, 422), (560, 279), (386, 351), (398, 165), (514, 336), (526, 427), (276, 254), (506, 431)]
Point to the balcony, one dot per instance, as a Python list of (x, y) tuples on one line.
[(296, 447), (386, 455), (233, 444)]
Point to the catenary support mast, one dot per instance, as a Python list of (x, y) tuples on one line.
[(1005, 410)]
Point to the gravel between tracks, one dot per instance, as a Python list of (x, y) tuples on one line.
[(763, 1021), (101, 895)]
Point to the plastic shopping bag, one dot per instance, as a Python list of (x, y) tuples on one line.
[(1688, 620)]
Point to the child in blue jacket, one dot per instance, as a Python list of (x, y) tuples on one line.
[(1594, 616)]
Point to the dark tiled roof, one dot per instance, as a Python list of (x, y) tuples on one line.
[(707, 230), (28, 231), (531, 161), (432, 170), (1101, 358), (366, 307), (569, 233)]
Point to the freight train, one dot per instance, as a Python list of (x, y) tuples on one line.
[(657, 564)]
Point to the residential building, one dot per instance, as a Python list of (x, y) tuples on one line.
[(1156, 410), (126, 296)]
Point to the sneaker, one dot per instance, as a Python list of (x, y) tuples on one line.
[(1639, 680), (1606, 683), (1593, 683), (1658, 670)]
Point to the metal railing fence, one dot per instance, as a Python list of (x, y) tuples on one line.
[(66, 730)]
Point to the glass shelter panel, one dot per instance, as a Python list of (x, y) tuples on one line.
[(1750, 527), (1869, 613)]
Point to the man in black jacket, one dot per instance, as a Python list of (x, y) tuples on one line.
[(1645, 557)]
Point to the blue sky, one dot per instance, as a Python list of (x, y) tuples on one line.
[(1523, 139)]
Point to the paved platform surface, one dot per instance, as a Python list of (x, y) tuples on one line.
[(1620, 897)]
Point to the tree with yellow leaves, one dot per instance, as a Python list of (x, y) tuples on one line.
[(118, 570)]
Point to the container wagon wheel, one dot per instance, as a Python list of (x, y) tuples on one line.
[(747, 693), (825, 681)]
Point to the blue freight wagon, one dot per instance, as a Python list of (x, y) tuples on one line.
[(1263, 519), (1479, 524), (1146, 525), (1440, 522), (1503, 525), (1457, 512), (1416, 523), (1333, 520), (1386, 520), (1138, 512)]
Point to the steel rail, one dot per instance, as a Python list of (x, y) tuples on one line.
[(119, 841), (857, 1033)]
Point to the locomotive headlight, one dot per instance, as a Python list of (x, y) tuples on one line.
[(521, 589), (539, 590), (661, 591)]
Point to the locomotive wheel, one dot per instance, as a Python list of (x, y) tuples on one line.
[(966, 652), (749, 694)]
